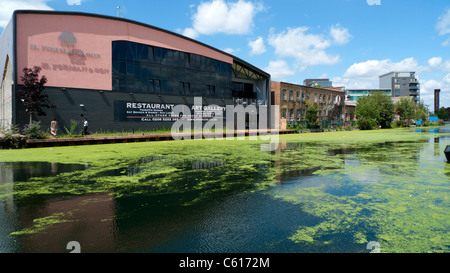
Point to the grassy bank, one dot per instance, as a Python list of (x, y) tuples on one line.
[(95, 153)]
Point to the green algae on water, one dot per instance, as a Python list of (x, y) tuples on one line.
[(384, 194), (41, 224), (382, 185)]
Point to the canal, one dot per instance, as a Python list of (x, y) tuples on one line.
[(325, 192)]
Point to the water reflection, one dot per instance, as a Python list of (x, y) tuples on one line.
[(24, 171), (89, 220)]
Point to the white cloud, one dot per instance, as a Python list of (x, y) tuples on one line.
[(191, 33), (74, 2), (279, 70), (257, 46), (427, 91), (231, 50), (9, 6), (427, 87), (308, 49), (355, 83), (375, 68), (443, 24), (435, 62), (218, 16), (366, 74), (341, 36)]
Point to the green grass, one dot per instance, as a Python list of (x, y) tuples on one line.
[(98, 153)]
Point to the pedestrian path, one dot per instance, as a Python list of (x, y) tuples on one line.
[(54, 142)]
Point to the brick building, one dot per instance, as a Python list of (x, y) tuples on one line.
[(292, 100)]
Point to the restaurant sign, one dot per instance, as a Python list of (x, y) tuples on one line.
[(163, 112)]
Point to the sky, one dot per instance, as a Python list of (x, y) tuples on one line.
[(351, 42)]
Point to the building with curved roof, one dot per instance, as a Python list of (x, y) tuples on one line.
[(118, 73)]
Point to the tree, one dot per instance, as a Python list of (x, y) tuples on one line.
[(311, 116), (31, 94), (442, 113), (406, 109), (366, 112), (385, 110), (421, 111), (374, 110)]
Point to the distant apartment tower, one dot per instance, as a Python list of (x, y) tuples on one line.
[(318, 82), (402, 84)]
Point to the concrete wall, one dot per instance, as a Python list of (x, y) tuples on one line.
[(6, 96)]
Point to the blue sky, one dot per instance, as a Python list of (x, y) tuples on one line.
[(351, 42)]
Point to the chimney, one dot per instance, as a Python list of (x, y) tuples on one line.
[(436, 100)]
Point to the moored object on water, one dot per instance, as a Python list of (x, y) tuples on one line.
[(447, 153)]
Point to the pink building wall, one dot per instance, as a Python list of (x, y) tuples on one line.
[(88, 63)]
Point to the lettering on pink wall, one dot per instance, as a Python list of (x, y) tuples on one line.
[(76, 52), (74, 68)]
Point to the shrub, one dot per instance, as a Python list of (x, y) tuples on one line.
[(73, 127), (396, 124), (366, 123), (32, 131), (10, 137)]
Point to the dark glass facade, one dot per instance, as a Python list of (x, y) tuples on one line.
[(139, 68)]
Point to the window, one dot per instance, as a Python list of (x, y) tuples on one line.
[(185, 88), (303, 95), (291, 114), (315, 97), (151, 86), (298, 114), (298, 96), (307, 96), (150, 69), (284, 94), (154, 86), (157, 86), (283, 113), (320, 98), (211, 90), (291, 95)]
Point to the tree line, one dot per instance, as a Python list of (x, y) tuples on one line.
[(378, 111)]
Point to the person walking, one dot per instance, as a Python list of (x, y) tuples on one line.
[(85, 127), (54, 127)]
